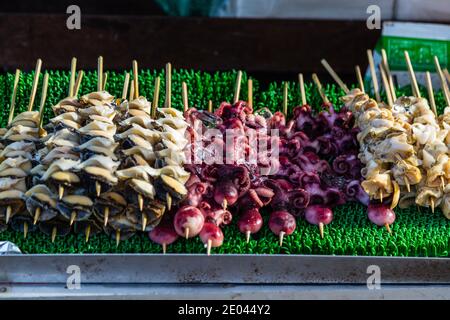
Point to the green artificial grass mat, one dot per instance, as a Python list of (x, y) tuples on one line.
[(416, 232)]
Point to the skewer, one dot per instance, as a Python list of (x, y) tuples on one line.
[(117, 237), (140, 202), (99, 73), (374, 76), (432, 204), (155, 97), (208, 247), (387, 88), (13, 96), (42, 132), (98, 188), (54, 234), (430, 93), (73, 217), (319, 87), (25, 229), (285, 98), (250, 92), (281, 236), (247, 236), (37, 72), (131, 90), (87, 232), (105, 80), (408, 187), (237, 87), (8, 214), (224, 204), (164, 247), (37, 214), (335, 76), (388, 228), (387, 69), (321, 229), (168, 201), (381, 196), (186, 233), (144, 221), (210, 106), (168, 103), (78, 82), (447, 75), (412, 76), (444, 85), (184, 92), (359, 78), (135, 79), (106, 216), (60, 191), (126, 83), (302, 88), (73, 71)]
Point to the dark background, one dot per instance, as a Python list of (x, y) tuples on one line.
[(124, 30)]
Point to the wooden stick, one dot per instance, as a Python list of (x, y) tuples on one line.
[(387, 69), (37, 72), (131, 90), (444, 85), (78, 82), (99, 73), (302, 88), (430, 93), (13, 97), (105, 80), (359, 78), (155, 97), (319, 87), (168, 102), (447, 75), (335, 76), (387, 88), (210, 106), (135, 79), (373, 74), (126, 83), (42, 105), (237, 87), (73, 71), (285, 98), (412, 76), (184, 92), (250, 92)]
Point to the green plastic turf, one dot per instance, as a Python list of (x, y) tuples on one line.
[(416, 232)]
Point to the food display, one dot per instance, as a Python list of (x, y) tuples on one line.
[(188, 173)]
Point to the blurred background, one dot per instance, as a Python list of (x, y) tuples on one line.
[(271, 39)]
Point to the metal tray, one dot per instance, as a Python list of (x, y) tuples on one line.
[(220, 269)]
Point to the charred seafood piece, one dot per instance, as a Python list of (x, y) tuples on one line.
[(11, 203), (41, 203), (62, 174), (109, 204), (98, 145), (98, 98), (18, 149), (55, 227), (87, 228), (75, 207), (120, 228), (22, 222), (97, 173), (170, 190), (97, 128), (69, 120), (69, 104), (147, 218)]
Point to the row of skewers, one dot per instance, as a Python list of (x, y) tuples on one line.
[(120, 165)]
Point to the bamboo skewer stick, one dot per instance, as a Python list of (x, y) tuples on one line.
[(374, 76), (78, 82), (319, 87), (37, 72), (412, 76), (184, 92), (387, 88), (126, 83), (155, 97), (430, 93), (237, 87), (359, 78), (447, 75), (387, 69), (135, 79), (168, 102), (250, 92), (105, 80), (210, 106), (131, 90), (73, 71), (42, 132), (13, 96), (444, 85), (99, 73), (285, 97), (302, 88), (335, 76)]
